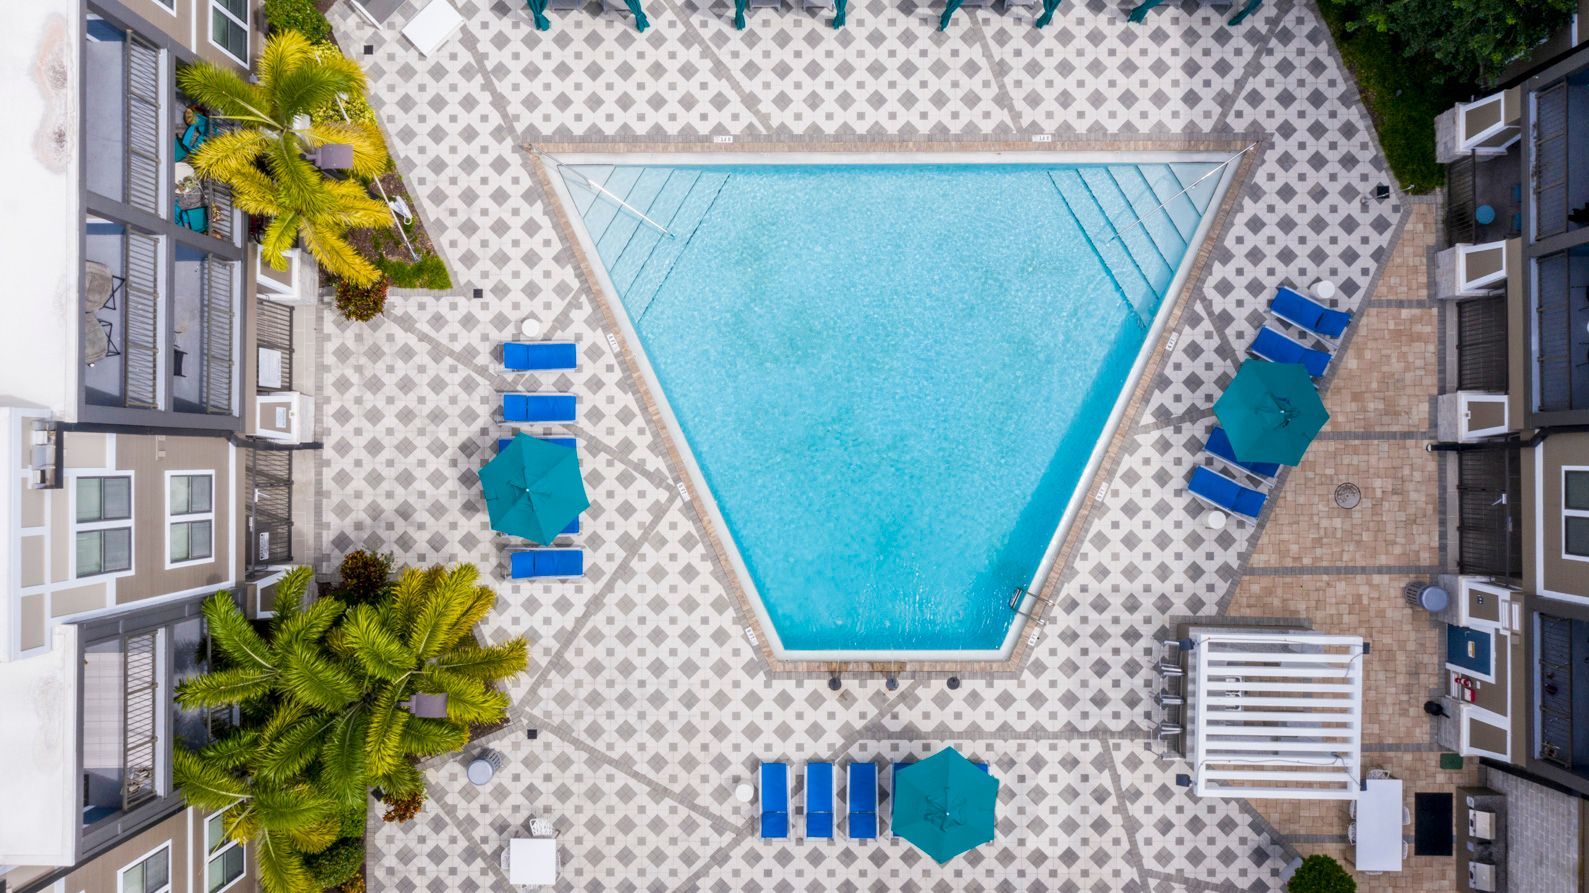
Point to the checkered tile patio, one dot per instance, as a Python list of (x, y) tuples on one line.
[(648, 702)]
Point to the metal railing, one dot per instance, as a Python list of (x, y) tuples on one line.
[(273, 329), (1551, 159), (1461, 200), (1489, 528), (269, 484), (141, 322), (140, 730), (142, 162), (1481, 345), (1555, 691), (216, 320), (1560, 379)]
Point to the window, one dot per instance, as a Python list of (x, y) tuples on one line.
[(224, 859), (151, 874), (191, 517), (229, 27), (1575, 513), (103, 525)]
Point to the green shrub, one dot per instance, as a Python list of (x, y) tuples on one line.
[(1469, 41), (338, 863), (427, 272), (353, 822), (1321, 874), (297, 15), (364, 578), (361, 303)]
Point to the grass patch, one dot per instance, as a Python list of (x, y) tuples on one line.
[(1402, 99), (427, 272)]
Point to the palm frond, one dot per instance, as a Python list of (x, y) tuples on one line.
[(474, 607), (281, 868), (228, 154), (369, 149), (486, 664), (349, 206), (408, 593), (234, 635), (231, 752), (316, 680), (222, 688), (205, 784), (468, 700), (239, 823), (285, 51), (281, 234), (342, 760), (405, 780), (221, 89), (378, 650), (427, 737), (291, 752), (383, 737), (254, 193), (337, 256), (308, 625), (299, 185)]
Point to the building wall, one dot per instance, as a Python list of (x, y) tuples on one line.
[(1542, 510), (187, 22), (46, 540), (1543, 830), (184, 833)]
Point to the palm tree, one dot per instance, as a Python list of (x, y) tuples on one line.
[(262, 160), (332, 687)]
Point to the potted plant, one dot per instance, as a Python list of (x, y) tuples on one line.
[(1321, 874)]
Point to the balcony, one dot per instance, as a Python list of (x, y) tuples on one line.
[(201, 206), (1489, 524), (1562, 646), (121, 315), (124, 94), (1561, 134), (1562, 328), (1484, 195), (123, 725)]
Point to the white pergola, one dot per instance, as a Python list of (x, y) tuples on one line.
[(1274, 713)]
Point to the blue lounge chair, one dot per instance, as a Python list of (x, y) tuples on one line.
[(774, 800), (819, 799), (1306, 313), (860, 801), (540, 356), (530, 564), (539, 407), (1278, 347), (572, 443), (1219, 447), (1213, 488)]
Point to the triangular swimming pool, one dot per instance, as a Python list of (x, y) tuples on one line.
[(891, 377)]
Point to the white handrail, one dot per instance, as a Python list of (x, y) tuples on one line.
[(597, 187), (1161, 205)]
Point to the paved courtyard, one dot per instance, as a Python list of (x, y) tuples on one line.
[(646, 700)]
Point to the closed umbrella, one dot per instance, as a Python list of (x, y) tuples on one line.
[(1142, 9), (1271, 412), (1048, 12), (839, 6), (948, 10), (739, 13), (640, 21), (538, 10), (945, 804), (533, 489), (1248, 9)]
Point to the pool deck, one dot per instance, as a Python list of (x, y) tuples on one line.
[(648, 701)]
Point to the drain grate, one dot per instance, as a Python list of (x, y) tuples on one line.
[(1347, 495)]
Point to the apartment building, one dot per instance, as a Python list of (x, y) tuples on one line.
[(1514, 433), (152, 415)]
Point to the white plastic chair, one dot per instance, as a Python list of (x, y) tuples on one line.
[(1406, 816), (1351, 834)]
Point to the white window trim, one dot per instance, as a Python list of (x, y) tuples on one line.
[(210, 857), (1570, 513), (120, 873), (192, 516), (84, 526), (248, 29)]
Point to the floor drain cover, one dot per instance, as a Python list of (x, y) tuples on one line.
[(1347, 496)]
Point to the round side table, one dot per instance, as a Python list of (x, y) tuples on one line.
[(1324, 289), (1217, 520), (744, 793), (530, 328)]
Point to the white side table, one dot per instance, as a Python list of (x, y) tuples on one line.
[(744, 793), (530, 328), (1217, 520), (1324, 289)]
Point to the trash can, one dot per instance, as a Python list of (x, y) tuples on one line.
[(1428, 596)]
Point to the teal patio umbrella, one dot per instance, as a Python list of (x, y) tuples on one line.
[(739, 13), (1246, 10), (640, 21), (1271, 412), (1048, 13), (948, 11), (839, 6), (533, 489), (538, 10), (944, 804), (1142, 9)]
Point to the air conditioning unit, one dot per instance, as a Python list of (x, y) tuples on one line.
[(286, 416), (1481, 877)]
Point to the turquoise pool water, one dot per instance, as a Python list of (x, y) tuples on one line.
[(891, 377)]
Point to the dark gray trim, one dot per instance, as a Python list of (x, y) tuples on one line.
[(165, 421)]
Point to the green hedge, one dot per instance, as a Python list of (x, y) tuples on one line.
[(338, 863), (427, 272), (297, 15)]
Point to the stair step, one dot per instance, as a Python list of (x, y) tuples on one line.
[(1147, 217), (1201, 195), (626, 223), (1177, 204), (664, 207), (654, 270), (1136, 240), (1093, 218)]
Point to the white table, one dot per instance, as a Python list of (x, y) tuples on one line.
[(480, 771), (532, 860), (1216, 519), (530, 328), (1379, 826), (1324, 290), (431, 26)]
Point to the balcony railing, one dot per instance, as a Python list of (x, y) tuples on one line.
[(1555, 695), (1550, 160), (216, 318), (270, 511), (143, 124), (1489, 528), (141, 345), (273, 331), (1481, 345), (141, 701), (1461, 200)]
